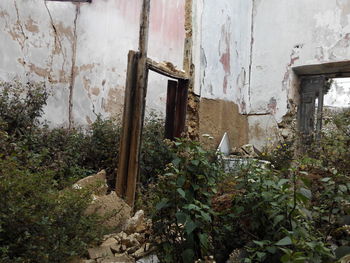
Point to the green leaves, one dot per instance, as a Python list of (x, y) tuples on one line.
[(286, 241), (306, 193), (181, 192), (162, 204), (190, 226), (186, 194)]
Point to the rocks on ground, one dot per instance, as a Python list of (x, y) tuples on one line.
[(109, 206), (128, 246), (131, 241)]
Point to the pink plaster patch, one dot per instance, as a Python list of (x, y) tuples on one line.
[(168, 19), (225, 58)]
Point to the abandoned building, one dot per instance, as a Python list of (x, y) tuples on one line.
[(246, 60)]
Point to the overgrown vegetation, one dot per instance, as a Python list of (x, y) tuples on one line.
[(297, 209), (39, 220), (183, 215), (39, 223), (294, 210)]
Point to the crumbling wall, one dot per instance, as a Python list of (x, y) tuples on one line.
[(250, 47), (80, 51), (223, 66), (286, 35)]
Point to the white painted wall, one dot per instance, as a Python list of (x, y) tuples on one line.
[(37, 43), (226, 38), (293, 33), (244, 51), (339, 94)]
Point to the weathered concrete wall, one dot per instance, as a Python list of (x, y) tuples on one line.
[(297, 33), (80, 51), (222, 68), (225, 50), (244, 52), (249, 49)]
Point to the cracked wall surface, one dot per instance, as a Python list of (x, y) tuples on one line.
[(250, 47), (242, 52), (80, 51), (297, 34)]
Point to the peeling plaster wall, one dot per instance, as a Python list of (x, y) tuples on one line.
[(297, 33), (80, 51), (225, 50), (249, 49), (222, 69)]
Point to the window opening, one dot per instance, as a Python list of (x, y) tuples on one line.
[(320, 99)]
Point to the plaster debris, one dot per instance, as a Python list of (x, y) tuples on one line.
[(125, 247)]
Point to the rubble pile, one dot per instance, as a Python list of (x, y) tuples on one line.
[(127, 246), (131, 241)]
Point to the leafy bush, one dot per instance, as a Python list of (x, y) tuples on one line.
[(155, 152), (281, 155), (39, 223), (21, 105), (273, 218), (183, 215), (71, 153)]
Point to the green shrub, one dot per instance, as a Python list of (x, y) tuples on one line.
[(39, 223), (155, 152), (183, 216), (21, 105), (39, 220), (274, 216), (71, 153)]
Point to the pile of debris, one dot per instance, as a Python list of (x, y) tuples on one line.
[(127, 246), (131, 241)]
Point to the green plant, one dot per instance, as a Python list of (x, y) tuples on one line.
[(38, 223), (71, 153), (183, 216), (272, 217), (21, 105), (281, 155), (154, 153)]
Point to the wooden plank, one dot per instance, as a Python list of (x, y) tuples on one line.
[(124, 146), (337, 69), (74, 1), (139, 104), (166, 69), (170, 109), (181, 107), (319, 112)]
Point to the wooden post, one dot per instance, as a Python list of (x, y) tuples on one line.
[(181, 107), (319, 113), (124, 146), (170, 109), (130, 144)]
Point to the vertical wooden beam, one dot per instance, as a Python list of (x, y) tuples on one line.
[(170, 109), (319, 112), (134, 110), (181, 107), (124, 146)]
